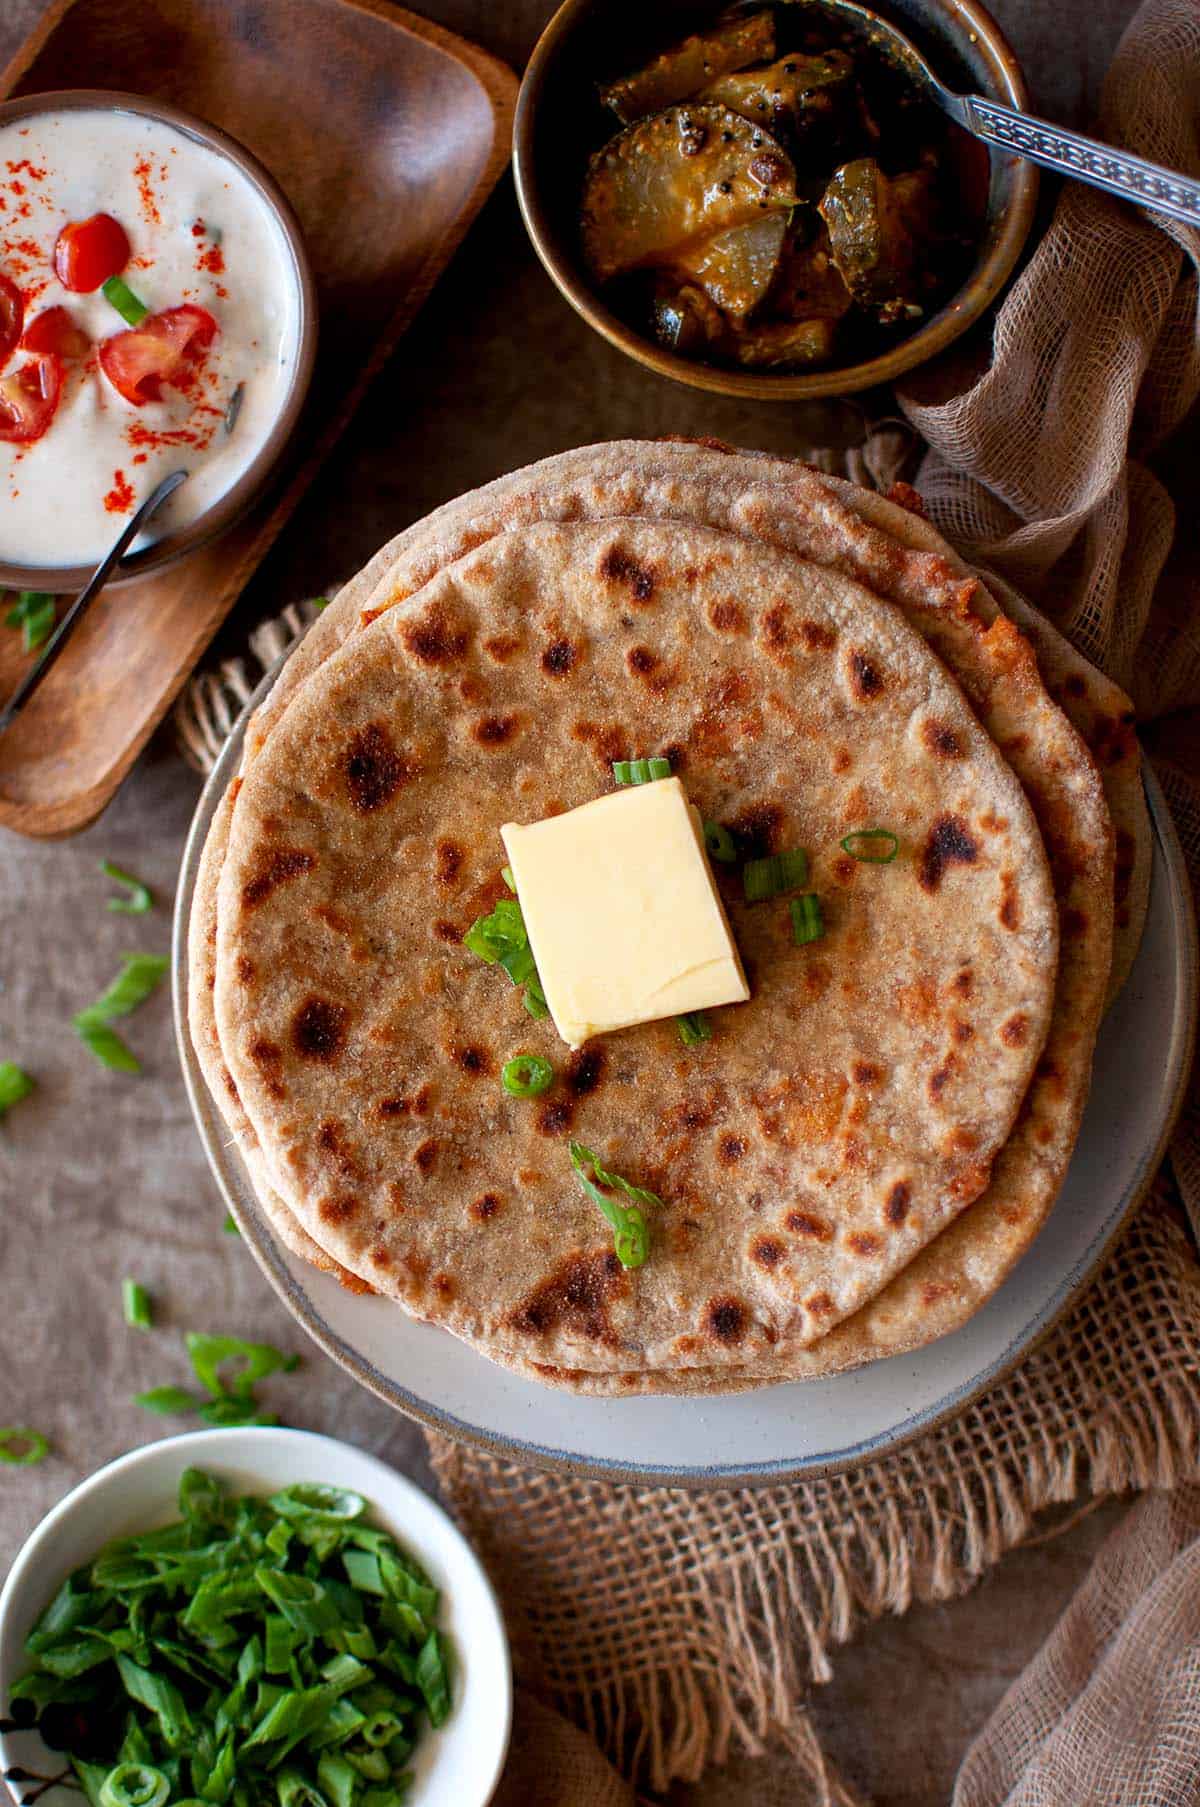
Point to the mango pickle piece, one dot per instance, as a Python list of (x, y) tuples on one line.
[(682, 176), (874, 222), (809, 285), (736, 268), (792, 98), (678, 71), (776, 344), (685, 320)]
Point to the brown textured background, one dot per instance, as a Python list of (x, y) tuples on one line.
[(102, 1175)]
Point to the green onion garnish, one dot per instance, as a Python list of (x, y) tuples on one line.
[(229, 1226), (506, 873), (808, 924), (168, 1400), (15, 1084), (118, 294), (21, 1446), (140, 898), (280, 1652), (873, 846), (640, 771), (694, 1027), (501, 939), (774, 876), (33, 613), (527, 1076), (139, 977), (720, 843), (136, 1302), (631, 1237), (208, 1354)]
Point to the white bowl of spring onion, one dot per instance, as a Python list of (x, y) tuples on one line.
[(260, 1699)]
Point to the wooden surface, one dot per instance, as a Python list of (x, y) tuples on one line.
[(386, 133), (496, 370)]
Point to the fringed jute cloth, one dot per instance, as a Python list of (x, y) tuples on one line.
[(679, 1628)]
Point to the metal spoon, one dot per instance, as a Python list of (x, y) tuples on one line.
[(1070, 153), (88, 594)]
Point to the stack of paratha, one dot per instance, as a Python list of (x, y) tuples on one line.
[(856, 1158)]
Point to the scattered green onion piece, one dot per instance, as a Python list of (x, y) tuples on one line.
[(808, 924), (321, 602), (502, 940), (34, 613), (693, 1028), (528, 1076), (134, 1785), (775, 875), (873, 846), (167, 1400), (518, 964), (136, 1301), (534, 999), (22, 1447), (229, 1226), (106, 1044), (209, 1353), (720, 843), (506, 873), (140, 898), (140, 975), (15, 1084), (234, 408), (118, 294), (631, 1237), (640, 771)]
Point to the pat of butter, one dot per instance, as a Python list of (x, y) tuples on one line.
[(623, 917)]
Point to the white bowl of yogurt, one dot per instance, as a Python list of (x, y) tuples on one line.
[(157, 312)]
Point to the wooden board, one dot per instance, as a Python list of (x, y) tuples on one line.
[(387, 133)]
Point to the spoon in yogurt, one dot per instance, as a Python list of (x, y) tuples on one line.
[(91, 589)]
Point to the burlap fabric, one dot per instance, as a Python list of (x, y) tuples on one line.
[(677, 1628)]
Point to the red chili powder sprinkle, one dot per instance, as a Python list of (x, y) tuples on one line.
[(142, 171), (198, 228), (119, 499), (211, 260), (31, 169)]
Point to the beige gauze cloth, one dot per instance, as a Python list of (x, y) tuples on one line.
[(678, 1629)]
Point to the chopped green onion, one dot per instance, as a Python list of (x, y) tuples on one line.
[(535, 999), (433, 1680), (527, 1076), (808, 924), (209, 1353), (229, 1226), (693, 1028), (168, 1400), (136, 1300), (720, 843), (118, 294), (21, 1446), (134, 1785), (631, 1238), (34, 613), (140, 975), (873, 846), (640, 771), (321, 602), (235, 407), (140, 898), (506, 873), (775, 875), (15, 1084), (502, 940)]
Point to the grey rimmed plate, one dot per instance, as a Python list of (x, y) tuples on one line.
[(787, 1431)]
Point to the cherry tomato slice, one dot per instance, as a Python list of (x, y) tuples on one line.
[(88, 252), (55, 331), (161, 350), (12, 313), (28, 399)]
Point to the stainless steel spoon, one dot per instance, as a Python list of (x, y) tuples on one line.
[(1055, 147), (88, 594)]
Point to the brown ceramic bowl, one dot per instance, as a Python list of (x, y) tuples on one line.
[(559, 123), (233, 504)]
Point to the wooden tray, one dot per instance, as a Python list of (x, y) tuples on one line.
[(387, 133)]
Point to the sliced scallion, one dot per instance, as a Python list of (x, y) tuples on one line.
[(808, 924), (506, 873), (631, 1236), (527, 1076), (693, 1028), (774, 876), (118, 294), (140, 897), (229, 1226), (134, 1785), (140, 976), (501, 939), (34, 613), (21, 1446), (873, 846), (135, 1299), (720, 843), (167, 1400), (15, 1084), (640, 771)]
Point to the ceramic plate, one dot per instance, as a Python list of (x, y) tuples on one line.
[(785, 1431)]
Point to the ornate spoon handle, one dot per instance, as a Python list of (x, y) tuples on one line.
[(1071, 154)]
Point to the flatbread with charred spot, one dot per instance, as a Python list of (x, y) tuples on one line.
[(396, 765)]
